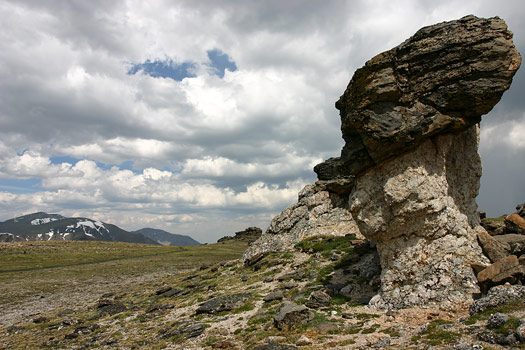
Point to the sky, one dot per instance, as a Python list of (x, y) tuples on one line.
[(205, 117)]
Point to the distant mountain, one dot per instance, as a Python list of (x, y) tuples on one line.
[(47, 227), (166, 238)]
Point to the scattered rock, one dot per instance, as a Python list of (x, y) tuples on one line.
[(163, 290), (41, 319), (290, 315), (515, 242), (318, 299), (110, 307), (289, 285), (187, 331), (494, 228), (254, 258), (160, 307), (514, 223), (274, 346), (327, 327), (303, 341), (492, 247), (496, 296), (223, 303), (275, 295), (504, 270), (171, 292), (497, 320)]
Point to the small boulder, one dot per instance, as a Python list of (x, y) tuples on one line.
[(290, 315), (504, 270), (497, 320), (493, 227), (515, 242), (492, 248), (515, 224), (223, 303), (497, 295), (520, 210), (318, 299), (275, 295)]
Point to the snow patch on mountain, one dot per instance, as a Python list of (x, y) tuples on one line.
[(42, 221)]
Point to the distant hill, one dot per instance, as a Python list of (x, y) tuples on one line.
[(166, 238), (47, 227)]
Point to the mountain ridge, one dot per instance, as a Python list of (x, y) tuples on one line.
[(163, 237), (42, 226)]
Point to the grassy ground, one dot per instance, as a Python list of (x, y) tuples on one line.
[(31, 270)]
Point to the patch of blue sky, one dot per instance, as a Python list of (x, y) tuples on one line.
[(18, 186), (165, 69), (63, 159), (219, 62)]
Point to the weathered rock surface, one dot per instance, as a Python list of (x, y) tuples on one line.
[(420, 210), (442, 79), (317, 213), (249, 235), (515, 242), (514, 224), (493, 248), (223, 303), (290, 315), (504, 270), (409, 119), (409, 171), (497, 295)]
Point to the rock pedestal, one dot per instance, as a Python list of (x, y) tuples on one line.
[(409, 170), (420, 210)]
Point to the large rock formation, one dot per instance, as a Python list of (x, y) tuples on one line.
[(441, 80), (317, 212), (409, 171)]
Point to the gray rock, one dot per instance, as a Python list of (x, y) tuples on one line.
[(497, 295), (497, 320), (275, 295), (493, 248), (187, 330), (290, 315), (274, 346), (515, 242), (318, 299), (520, 331), (223, 303), (442, 79)]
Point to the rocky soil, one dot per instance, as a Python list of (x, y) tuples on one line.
[(307, 298)]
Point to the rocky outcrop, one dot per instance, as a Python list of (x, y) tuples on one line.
[(249, 235), (442, 79), (318, 212), (420, 210), (409, 171), (409, 119)]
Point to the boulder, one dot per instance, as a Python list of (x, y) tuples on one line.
[(493, 248), (318, 299), (515, 224), (442, 79), (493, 227), (223, 303), (496, 296), (504, 270), (515, 242), (249, 235), (290, 315), (410, 122)]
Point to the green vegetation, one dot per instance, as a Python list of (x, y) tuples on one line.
[(504, 308), (325, 245), (436, 334)]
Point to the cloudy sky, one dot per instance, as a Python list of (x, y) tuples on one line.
[(204, 117)]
